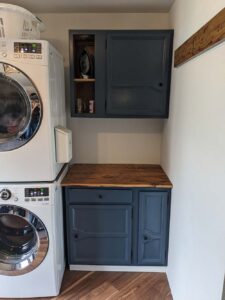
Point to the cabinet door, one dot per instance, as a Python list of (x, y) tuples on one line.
[(100, 234), (138, 73), (153, 228)]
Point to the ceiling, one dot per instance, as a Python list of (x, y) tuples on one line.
[(86, 6)]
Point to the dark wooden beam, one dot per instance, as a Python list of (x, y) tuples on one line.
[(206, 37)]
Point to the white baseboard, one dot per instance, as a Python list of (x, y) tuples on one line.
[(117, 268)]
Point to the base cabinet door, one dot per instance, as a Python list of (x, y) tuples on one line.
[(153, 228), (100, 234)]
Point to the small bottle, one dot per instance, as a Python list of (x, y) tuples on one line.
[(79, 105), (91, 106)]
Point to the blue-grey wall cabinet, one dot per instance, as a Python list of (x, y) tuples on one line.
[(127, 73), (153, 226)]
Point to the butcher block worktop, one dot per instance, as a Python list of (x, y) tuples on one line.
[(116, 175)]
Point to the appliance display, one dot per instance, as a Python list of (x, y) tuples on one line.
[(27, 48), (38, 192)]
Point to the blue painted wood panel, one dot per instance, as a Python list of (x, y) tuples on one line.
[(100, 234), (138, 73), (99, 196), (153, 225)]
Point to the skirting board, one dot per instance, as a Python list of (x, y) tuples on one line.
[(117, 268)]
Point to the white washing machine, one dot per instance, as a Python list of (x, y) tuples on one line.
[(31, 239), (32, 104)]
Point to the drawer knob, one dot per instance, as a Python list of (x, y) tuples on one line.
[(100, 196), (76, 236), (145, 237)]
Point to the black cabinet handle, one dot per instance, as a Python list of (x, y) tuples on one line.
[(160, 84), (100, 196), (145, 237), (76, 236)]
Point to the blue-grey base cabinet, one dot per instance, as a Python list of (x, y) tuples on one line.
[(117, 226)]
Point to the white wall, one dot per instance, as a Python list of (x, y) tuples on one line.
[(108, 140), (194, 158)]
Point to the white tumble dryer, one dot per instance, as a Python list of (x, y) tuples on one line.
[(31, 239), (32, 104)]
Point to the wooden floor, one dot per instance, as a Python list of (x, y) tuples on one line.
[(114, 286)]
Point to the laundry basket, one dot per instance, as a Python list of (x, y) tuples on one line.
[(17, 22)]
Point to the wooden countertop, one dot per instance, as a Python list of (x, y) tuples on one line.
[(116, 175)]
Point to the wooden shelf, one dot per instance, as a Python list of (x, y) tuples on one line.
[(83, 80), (85, 115), (205, 38)]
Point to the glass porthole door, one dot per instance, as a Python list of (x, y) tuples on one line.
[(23, 240), (20, 108)]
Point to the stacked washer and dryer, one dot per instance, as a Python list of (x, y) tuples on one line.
[(34, 149)]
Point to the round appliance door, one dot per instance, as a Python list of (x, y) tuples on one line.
[(24, 240), (20, 108)]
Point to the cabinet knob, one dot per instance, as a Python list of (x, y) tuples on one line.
[(160, 84), (145, 237), (76, 236), (100, 196)]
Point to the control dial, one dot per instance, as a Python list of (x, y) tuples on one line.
[(5, 194)]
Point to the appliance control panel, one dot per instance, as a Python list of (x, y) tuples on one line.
[(34, 48), (34, 52), (5, 194), (36, 194), (27, 50), (32, 195)]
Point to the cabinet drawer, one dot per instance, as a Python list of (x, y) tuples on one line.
[(99, 196)]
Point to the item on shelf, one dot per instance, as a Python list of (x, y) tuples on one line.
[(86, 62), (91, 106), (79, 105), (25, 25)]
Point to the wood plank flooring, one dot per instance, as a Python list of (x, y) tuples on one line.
[(113, 286)]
